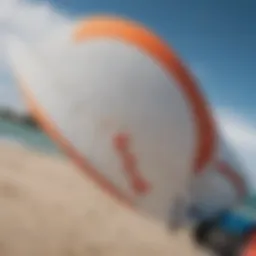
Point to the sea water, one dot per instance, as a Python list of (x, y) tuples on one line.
[(28, 136)]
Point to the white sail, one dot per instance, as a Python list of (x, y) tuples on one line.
[(119, 102)]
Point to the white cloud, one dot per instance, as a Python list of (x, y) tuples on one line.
[(31, 22), (241, 135)]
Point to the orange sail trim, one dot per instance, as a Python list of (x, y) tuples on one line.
[(130, 32), (227, 171), (122, 145)]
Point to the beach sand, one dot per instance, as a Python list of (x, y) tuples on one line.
[(48, 207)]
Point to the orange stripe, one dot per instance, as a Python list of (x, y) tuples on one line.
[(135, 34), (139, 184), (49, 127), (231, 175), (250, 249)]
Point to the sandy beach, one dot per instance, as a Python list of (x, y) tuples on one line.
[(47, 207)]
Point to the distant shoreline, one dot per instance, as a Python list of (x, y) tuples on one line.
[(14, 142), (10, 115), (21, 129)]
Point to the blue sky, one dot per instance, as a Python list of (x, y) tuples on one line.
[(215, 38)]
